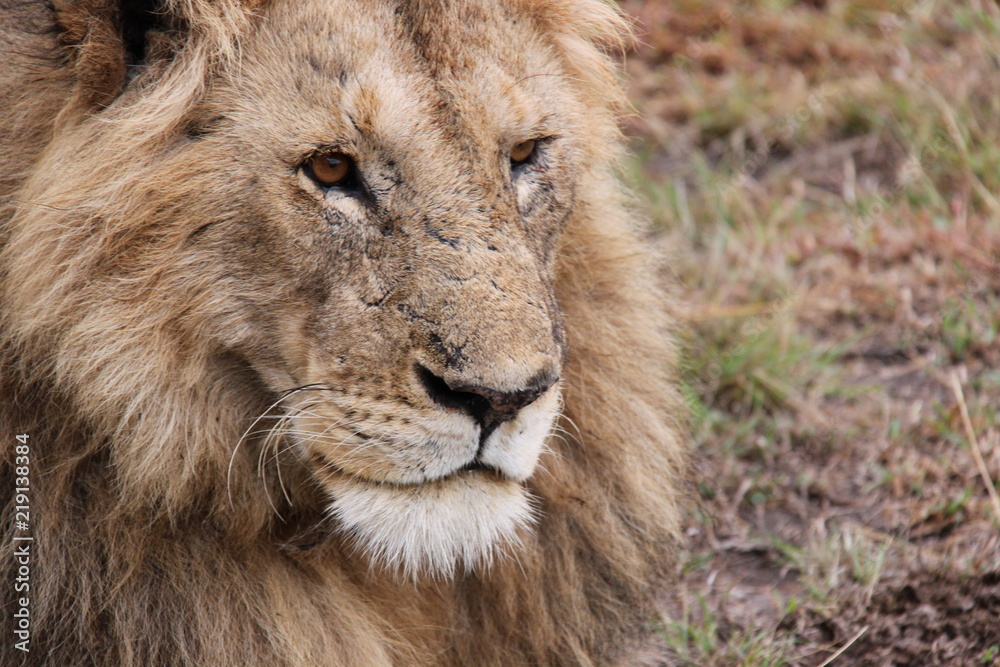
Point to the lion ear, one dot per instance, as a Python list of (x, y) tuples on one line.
[(111, 40)]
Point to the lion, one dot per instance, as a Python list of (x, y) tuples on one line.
[(328, 337)]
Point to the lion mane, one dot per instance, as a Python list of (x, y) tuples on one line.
[(420, 410)]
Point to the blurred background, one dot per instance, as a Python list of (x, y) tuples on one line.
[(826, 176)]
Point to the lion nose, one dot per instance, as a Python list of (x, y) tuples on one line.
[(486, 405)]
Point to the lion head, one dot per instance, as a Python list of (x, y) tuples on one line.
[(329, 267), (389, 270)]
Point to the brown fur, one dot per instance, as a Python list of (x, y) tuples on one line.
[(164, 277)]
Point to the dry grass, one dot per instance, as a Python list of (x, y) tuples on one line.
[(827, 174)]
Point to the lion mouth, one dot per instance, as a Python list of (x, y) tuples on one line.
[(477, 465), (446, 495), (473, 468)]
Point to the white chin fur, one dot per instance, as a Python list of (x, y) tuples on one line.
[(432, 529)]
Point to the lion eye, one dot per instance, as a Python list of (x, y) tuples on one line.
[(521, 152), (329, 169)]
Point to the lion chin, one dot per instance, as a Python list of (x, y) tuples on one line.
[(433, 528)]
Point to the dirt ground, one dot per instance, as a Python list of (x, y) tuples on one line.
[(826, 175)]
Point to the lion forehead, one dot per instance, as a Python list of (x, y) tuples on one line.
[(399, 73)]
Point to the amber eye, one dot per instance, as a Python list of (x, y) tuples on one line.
[(329, 169), (522, 151)]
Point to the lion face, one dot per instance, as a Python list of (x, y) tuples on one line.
[(386, 226)]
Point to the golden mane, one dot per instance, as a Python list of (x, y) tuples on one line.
[(153, 546)]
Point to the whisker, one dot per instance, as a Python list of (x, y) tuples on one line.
[(232, 457), (569, 420), (281, 398)]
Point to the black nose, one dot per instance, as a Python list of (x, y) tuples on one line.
[(487, 406)]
